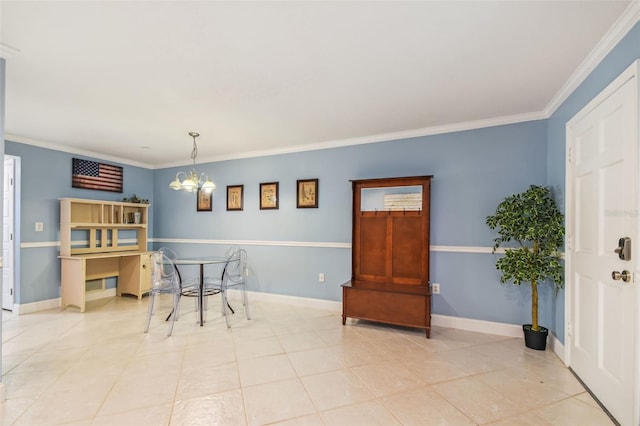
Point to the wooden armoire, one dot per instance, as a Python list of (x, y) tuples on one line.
[(390, 248)]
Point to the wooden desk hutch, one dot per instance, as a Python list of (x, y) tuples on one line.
[(390, 249), (102, 239)]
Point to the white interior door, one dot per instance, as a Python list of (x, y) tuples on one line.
[(8, 234), (602, 193)]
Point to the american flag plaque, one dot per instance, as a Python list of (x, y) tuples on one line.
[(93, 175)]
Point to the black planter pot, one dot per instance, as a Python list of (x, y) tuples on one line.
[(535, 339)]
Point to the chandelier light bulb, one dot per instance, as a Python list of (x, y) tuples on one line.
[(190, 181)]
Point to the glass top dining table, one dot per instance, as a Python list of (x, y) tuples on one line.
[(201, 261)]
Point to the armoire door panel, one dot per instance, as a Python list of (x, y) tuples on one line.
[(373, 246), (407, 247)]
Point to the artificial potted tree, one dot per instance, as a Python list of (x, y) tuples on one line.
[(532, 220)]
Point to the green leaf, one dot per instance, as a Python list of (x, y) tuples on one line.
[(532, 219)]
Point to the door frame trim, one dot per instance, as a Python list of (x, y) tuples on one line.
[(14, 246), (632, 72)]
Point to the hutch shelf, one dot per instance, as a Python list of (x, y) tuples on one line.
[(102, 239)]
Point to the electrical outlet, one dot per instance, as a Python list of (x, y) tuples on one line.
[(321, 277), (435, 288), (39, 226)]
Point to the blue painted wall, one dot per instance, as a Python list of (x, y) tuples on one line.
[(473, 171), (623, 55), (289, 247), (45, 178)]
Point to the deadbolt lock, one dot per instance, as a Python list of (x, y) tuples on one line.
[(624, 248)]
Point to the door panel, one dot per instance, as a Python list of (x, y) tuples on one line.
[(584, 216), (612, 360), (602, 207), (585, 338)]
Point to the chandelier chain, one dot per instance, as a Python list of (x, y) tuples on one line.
[(191, 181), (194, 151)]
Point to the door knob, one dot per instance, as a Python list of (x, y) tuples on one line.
[(624, 275)]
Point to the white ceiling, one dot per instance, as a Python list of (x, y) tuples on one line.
[(129, 79)]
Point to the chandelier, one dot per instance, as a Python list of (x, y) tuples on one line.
[(191, 182)]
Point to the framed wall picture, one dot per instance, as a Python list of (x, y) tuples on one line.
[(235, 197), (307, 194), (204, 203), (269, 196)]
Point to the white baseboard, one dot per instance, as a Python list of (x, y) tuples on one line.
[(29, 308), (497, 328), (557, 347), (330, 305), (45, 305), (480, 326)]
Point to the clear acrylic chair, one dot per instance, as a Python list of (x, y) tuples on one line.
[(189, 287), (233, 276), (164, 280)]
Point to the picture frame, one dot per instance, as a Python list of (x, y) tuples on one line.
[(269, 196), (235, 197), (204, 201), (307, 194)]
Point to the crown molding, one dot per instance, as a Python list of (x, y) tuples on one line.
[(7, 51), (620, 28), (383, 137), (623, 25), (72, 150)]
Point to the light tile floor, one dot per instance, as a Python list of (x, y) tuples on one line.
[(288, 365)]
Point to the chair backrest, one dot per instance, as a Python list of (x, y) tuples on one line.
[(235, 267), (171, 255), (168, 252), (164, 273)]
